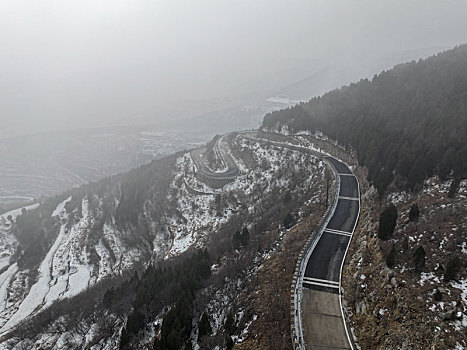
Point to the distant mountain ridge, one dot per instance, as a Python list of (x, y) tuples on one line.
[(406, 124), (345, 71)]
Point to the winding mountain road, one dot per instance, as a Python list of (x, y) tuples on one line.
[(319, 319), (319, 322), (230, 171)]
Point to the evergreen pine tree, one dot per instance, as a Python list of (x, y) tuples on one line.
[(204, 326), (419, 258), (387, 222), (414, 212), (391, 258)]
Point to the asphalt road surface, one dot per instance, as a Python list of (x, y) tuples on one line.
[(323, 326), (326, 259)]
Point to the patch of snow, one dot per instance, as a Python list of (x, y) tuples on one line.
[(382, 311), (359, 264), (398, 197), (243, 335), (61, 207), (5, 279), (105, 262), (442, 243), (461, 322), (462, 285), (16, 212), (78, 279), (428, 277), (55, 275)]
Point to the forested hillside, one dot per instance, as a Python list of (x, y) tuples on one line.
[(406, 124)]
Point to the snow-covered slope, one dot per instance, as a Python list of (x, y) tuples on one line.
[(155, 212), (199, 215)]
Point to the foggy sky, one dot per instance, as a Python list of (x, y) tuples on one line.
[(75, 64)]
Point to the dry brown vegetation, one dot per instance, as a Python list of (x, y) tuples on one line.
[(395, 307), (269, 296)]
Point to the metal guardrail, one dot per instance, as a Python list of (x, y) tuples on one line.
[(350, 337)]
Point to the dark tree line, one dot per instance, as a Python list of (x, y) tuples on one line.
[(210, 151), (36, 231), (148, 182), (160, 287), (406, 124), (241, 239)]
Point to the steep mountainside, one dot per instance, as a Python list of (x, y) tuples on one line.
[(71, 242), (121, 262), (404, 281), (406, 124), (410, 291), (197, 250)]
